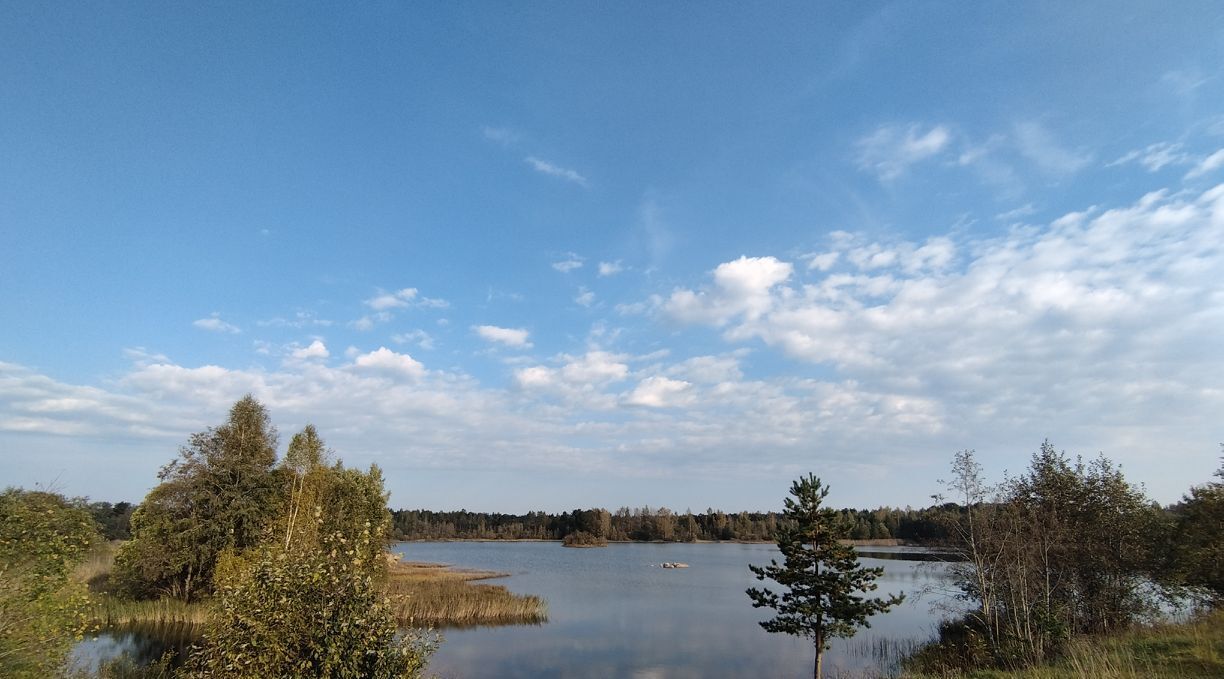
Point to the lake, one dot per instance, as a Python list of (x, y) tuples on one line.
[(613, 612)]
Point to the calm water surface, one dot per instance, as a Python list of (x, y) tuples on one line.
[(613, 612)]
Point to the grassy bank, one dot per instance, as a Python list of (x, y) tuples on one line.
[(1173, 651), (422, 595), (437, 596)]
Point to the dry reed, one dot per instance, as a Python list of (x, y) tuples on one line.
[(433, 595)]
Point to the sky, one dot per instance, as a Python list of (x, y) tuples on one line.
[(540, 256)]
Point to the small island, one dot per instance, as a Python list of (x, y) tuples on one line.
[(583, 539)]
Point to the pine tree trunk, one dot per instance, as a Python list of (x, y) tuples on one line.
[(816, 671)]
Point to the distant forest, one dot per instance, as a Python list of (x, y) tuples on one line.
[(928, 525)]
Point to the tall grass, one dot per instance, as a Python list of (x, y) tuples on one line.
[(107, 610), (423, 595), (435, 596), (1188, 650)]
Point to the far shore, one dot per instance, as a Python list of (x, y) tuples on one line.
[(879, 542)]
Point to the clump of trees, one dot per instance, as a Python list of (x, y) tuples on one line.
[(42, 610), (824, 583), (583, 539), (1067, 548), (222, 493), (292, 552)]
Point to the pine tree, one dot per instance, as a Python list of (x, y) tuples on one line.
[(825, 585)]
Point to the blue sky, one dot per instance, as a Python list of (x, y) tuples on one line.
[(571, 254)]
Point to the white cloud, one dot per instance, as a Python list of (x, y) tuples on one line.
[(300, 319), (610, 268), (660, 392), (1021, 212), (316, 350), (383, 360), (418, 337), (545, 167), (1036, 143), (511, 337), (502, 135), (1155, 157), (366, 323), (585, 297), (571, 262), (214, 324), (822, 261), (1209, 164), (402, 299), (892, 149), (741, 286), (392, 300)]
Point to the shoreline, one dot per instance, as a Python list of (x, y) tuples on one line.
[(879, 542)]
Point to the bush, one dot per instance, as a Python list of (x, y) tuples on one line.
[(42, 538), (310, 613)]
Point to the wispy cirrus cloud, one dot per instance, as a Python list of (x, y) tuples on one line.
[(890, 150), (505, 136), (553, 170), (1155, 157), (1036, 143), (1207, 165)]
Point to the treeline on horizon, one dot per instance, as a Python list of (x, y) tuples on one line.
[(923, 526)]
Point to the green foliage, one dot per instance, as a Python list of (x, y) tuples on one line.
[(307, 614), (113, 519), (326, 500), (42, 538), (1198, 540), (824, 582), (308, 601), (222, 493), (1065, 549)]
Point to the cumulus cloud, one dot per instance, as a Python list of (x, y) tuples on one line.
[(660, 392), (741, 287), (511, 337), (383, 360), (213, 323), (552, 170), (316, 350), (1098, 329), (891, 149), (585, 297), (1104, 315)]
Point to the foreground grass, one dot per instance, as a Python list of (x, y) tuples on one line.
[(1173, 651), (432, 595), (422, 595)]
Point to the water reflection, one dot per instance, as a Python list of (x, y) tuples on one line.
[(611, 614), (138, 644)]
